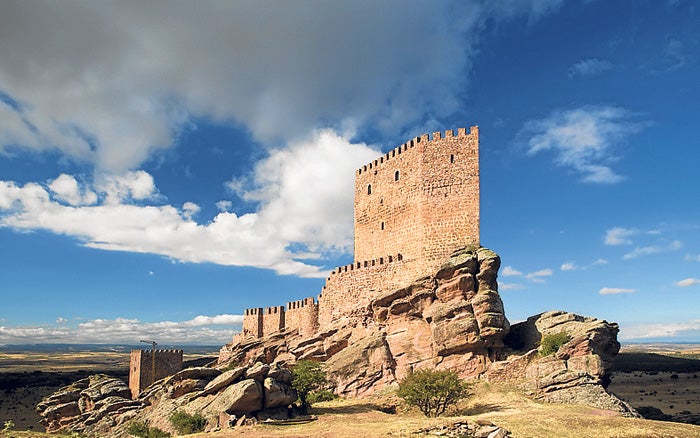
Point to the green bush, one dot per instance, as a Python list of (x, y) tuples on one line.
[(308, 377), (141, 430), (551, 343), (432, 391), (320, 395), (185, 423), (8, 426)]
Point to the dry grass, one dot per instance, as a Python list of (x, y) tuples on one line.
[(502, 405)]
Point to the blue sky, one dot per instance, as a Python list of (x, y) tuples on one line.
[(164, 166)]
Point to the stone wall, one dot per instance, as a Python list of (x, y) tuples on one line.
[(253, 323), (302, 315), (273, 320), (142, 365)]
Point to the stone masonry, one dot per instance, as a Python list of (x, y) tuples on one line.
[(142, 365), (414, 206)]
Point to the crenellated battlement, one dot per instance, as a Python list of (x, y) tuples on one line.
[(306, 302), (414, 206), (366, 264), (423, 139)]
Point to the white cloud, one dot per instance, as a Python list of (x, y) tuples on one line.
[(224, 205), (189, 209), (61, 320), (568, 266), (583, 139), (689, 329), (65, 188), (600, 262), (589, 67), (619, 236), (692, 257), (96, 81), (199, 330), (615, 290), (653, 249), (510, 286), (538, 276), (288, 216), (510, 271), (688, 282)]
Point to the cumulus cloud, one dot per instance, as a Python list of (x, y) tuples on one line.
[(653, 249), (202, 329), (688, 282), (688, 329), (510, 286), (583, 139), (288, 215), (96, 81), (538, 276), (692, 257), (224, 205), (510, 271), (619, 236), (615, 290), (568, 266), (65, 188), (589, 67)]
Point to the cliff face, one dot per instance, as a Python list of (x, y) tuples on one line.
[(453, 319)]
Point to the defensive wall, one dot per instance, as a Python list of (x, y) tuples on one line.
[(413, 207), (142, 366)]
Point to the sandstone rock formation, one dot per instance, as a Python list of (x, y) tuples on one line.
[(453, 319), (101, 405)]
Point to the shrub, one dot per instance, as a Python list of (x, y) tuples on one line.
[(320, 395), (8, 426), (432, 391), (551, 343), (141, 430), (308, 377), (185, 423)]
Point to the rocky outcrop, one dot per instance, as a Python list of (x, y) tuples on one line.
[(86, 402), (454, 320), (101, 405)]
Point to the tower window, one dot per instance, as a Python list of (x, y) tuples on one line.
[(452, 158), (382, 225), (396, 175), (369, 189)]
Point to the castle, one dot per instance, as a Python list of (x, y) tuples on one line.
[(414, 206), (148, 366)]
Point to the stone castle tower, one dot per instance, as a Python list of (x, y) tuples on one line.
[(414, 206), (146, 368)]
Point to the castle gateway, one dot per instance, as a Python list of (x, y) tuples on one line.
[(414, 206)]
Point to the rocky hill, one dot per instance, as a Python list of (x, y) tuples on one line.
[(453, 319)]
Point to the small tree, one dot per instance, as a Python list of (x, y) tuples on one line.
[(142, 430), (432, 391), (308, 377), (551, 343)]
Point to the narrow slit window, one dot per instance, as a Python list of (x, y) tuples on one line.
[(396, 175), (369, 189), (382, 225), (452, 158)]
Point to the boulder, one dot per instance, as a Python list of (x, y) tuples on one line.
[(244, 397), (277, 394), (223, 380), (197, 373), (258, 371)]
